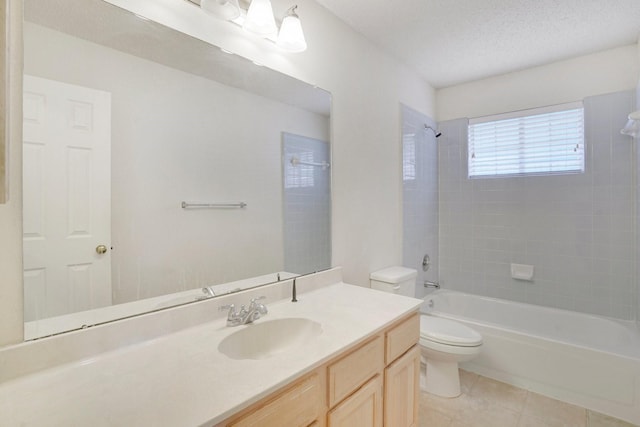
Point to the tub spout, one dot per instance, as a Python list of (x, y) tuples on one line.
[(429, 284)]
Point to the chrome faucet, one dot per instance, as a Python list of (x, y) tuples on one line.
[(430, 284), (246, 315), (208, 293)]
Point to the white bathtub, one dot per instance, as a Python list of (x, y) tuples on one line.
[(590, 361)]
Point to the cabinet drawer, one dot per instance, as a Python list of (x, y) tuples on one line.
[(402, 337), (298, 406), (353, 370)]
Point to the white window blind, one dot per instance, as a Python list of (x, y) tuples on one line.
[(540, 141), (409, 157), (300, 175)]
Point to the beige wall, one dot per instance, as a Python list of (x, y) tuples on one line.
[(564, 81), (11, 212)]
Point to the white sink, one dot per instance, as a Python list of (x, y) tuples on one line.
[(267, 338)]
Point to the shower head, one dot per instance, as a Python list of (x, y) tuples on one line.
[(435, 132)]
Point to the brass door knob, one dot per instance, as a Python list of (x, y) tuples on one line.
[(101, 249)]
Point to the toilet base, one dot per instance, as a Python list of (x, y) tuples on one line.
[(440, 378)]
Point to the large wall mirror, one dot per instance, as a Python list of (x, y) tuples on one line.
[(156, 165)]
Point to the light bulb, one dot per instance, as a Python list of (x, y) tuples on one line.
[(291, 36), (260, 20)]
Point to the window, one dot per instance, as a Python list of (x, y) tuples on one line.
[(409, 157), (542, 141), (300, 175)]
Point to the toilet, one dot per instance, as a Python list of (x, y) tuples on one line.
[(443, 342)]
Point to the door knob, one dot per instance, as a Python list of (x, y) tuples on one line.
[(101, 249)]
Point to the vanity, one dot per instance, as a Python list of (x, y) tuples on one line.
[(374, 384), (360, 368), (341, 355)]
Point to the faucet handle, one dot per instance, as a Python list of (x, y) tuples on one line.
[(261, 308), (230, 307)]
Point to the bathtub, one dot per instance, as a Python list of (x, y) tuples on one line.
[(586, 360)]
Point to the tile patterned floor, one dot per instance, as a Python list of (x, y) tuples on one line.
[(488, 403)]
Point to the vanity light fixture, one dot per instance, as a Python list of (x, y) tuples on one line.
[(632, 128), (259, 20), (291, 37), (225, 9)]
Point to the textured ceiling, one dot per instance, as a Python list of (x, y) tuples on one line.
[(454, 41)]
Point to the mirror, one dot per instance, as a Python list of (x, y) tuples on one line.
[(156, 165)]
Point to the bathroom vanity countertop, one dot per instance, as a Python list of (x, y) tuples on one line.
[(181, 379)]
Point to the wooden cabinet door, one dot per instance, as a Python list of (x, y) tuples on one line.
[(361, 409), (401, 392)]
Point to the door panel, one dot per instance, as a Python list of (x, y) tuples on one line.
[(67, 198)]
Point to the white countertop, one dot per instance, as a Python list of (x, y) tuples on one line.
[(181, 379)]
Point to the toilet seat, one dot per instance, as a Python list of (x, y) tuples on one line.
[(448, 332)]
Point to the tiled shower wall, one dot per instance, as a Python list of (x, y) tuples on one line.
[(420, 195), (307, 204), (577, 230)]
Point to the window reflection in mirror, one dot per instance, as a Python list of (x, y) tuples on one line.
[(124, 120)]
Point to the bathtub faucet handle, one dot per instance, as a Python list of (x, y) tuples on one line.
[(429, 284)]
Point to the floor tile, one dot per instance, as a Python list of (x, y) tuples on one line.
[(531, 421), (488, 403), (486, 418), (554, 412), (430, 417), (595, 419), (501, 394), (467, 380), (447, 406)]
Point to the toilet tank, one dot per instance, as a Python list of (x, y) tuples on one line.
[(397, 280)]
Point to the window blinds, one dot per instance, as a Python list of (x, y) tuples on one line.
[(409, 157), (541, 141)]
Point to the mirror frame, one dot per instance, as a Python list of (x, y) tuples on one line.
[(4, 181)]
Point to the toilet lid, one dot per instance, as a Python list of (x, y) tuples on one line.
[(449, 332)]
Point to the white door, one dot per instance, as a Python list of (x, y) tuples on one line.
[(66, 198)]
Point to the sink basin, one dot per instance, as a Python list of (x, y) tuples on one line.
[(269, 338)]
